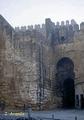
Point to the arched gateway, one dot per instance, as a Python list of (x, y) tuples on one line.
[(65, 79)]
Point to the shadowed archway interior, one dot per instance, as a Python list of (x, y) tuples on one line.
[(65, 79)]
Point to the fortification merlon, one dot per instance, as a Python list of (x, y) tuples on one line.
[(23, 28), (30, 27), (76, 27), (82, 26), (37, 27), (17, 29), (48, 20), (73, 22), (62, 23), (57, 23), (49, 24), (67, 22), (43, 26)]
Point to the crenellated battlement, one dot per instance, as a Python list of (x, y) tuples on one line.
[(37, 27), (59, 32), (62, 32), (82, 26), (54, 25)]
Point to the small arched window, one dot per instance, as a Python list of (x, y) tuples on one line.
[(62, 38)]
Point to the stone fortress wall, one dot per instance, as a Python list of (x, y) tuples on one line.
[(31, 55), (67, 44)]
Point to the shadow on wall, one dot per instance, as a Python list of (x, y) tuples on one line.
[(65, 82)]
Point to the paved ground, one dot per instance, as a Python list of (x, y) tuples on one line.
[(60, 114), (48, 115)]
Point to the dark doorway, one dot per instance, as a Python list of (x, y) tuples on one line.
[(65, 78), (68, 93), (82, 101)]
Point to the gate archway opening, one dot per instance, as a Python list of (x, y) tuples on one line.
[(65, 77)]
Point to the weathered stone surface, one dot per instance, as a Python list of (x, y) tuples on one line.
[(28, 63)]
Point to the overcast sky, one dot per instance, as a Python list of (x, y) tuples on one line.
[(27, 12)]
